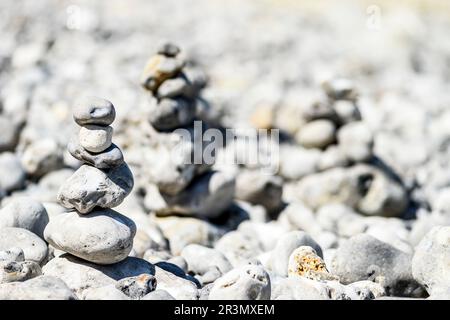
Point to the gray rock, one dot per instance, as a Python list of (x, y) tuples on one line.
[(41, 157), (318, 108), (299, 288), (172, 113), (12, 271), (424, 223), (177, 286), (158, 294), (109, 158), (363, 187), (34, 248), (346, 111), (331, 186), (90, 187), (317, 134), (257, 188), (297, 162), (279, 259), (304, 262), (137, 287), (180, 262), (364, 257), (95, 138), (168, 49), (169, 164), (266, 233), (382, 195), (10, 132), (103, 236), (26, 213), (80, 275), (301, 217), (39, 288), (143, 242), (93, 110), (205, 291), (430, 264), (12, 254), (200, 259), (181, 231), (332, 157), (53, 180), (356, 141), (340, 89), (238, 247), (248, 282), (158, 69), (12, 174), (341, 219), (367, 290), (104, 293), (173, 87), (211, 275), (207, 196)]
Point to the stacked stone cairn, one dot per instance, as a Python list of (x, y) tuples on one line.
[(181, 185), (91, 230)]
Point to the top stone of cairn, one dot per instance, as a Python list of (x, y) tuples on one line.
[(92, 110)]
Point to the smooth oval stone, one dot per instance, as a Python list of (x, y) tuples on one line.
[(431, 260), (12, 254), (93, 110), (174, 113), (95, 138), (248, 282), (34, 248), (39, 288), (26, 213), (90, 187), (317, 134), (168, 49), (102, 237), (81, 275), (109, 158), (12, 173)]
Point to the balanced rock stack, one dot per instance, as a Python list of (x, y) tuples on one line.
[(182, 185), (92, 230)]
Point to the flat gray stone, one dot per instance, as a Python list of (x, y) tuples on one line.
[(103, 236), (26, 213), (93, 110), (34, 248), (109, 158)]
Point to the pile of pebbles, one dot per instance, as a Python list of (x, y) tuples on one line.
[(184, 185), (357, 209)]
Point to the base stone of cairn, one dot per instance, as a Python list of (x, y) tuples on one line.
[(93, 231), (182, 187)]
